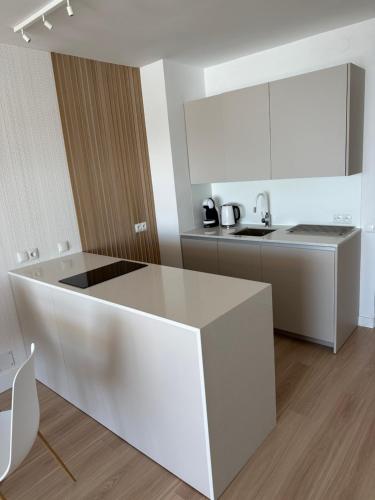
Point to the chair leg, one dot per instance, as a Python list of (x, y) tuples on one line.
[(51, 450)]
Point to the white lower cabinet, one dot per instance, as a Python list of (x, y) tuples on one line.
[(303, 290), (200, 254), (315, 289), (240, 259)]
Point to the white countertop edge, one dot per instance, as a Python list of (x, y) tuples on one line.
[(188, 317), (251, 239), (119, 306), (194, 233)]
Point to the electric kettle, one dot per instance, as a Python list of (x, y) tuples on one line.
[(230, 214)]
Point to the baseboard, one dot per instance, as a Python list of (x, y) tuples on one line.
[(299, 336), (6, 379), (367, 322)]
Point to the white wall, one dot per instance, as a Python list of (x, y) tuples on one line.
[(166, 85), (355, 43), (36, 203), (182, 83), (161, 162)]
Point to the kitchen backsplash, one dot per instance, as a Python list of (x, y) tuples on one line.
[(292, 201)]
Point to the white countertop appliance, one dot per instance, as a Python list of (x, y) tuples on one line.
[(230, 214)]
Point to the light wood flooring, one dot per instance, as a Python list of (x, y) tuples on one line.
[(322, 448)]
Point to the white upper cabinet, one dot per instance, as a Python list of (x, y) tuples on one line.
[(229, 136), (305, 126), (205, 137), (311, 133)]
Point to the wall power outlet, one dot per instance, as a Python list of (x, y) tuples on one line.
[(345, 219), (140, 227)]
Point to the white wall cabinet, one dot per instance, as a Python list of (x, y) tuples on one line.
[(310, 125), (205, 138), (315, 290), (229, 136), (317, 123)]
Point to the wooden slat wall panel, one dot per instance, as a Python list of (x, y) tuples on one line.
[(102, 116)]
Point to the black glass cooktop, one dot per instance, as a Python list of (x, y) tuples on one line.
[(101, 274)]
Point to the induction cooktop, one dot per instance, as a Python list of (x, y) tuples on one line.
[(321, 230), (101, 274)]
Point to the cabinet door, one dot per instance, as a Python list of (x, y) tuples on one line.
[(228, 136), (205, 140), (200, 254), (303, 288), (308, 124), (246, 126), (240, 260)]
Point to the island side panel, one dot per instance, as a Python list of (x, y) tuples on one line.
[(239, 374), (37, 320), (137, 375)]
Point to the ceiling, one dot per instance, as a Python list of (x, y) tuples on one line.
[(198, 32)]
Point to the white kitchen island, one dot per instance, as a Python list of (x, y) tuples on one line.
[(178, 363)]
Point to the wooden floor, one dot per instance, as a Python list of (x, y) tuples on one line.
[(322, 448)]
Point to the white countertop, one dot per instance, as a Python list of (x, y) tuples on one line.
[(186, 297), (280, 235)]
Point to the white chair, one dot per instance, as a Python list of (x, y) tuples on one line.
[(19, 426)]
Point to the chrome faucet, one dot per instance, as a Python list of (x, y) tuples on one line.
[(265, 212)]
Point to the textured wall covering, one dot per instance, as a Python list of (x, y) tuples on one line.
[(104, 129), (36, 203)]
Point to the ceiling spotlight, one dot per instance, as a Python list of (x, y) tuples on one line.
[(25, 36), (46, 23), (69, 8)]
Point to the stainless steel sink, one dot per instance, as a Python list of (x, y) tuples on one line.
[(252, 231)]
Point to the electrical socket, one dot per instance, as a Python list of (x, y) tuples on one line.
[(22, 256), (140, 227), (342, 219), (34, 253), (338, 218), (63, 246)]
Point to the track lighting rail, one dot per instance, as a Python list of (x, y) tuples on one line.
[(40, 15)]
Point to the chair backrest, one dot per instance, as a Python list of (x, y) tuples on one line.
[(25, 413)]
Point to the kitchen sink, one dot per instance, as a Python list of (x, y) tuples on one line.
[(252, 231)]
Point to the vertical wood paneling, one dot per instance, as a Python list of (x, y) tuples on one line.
[(102, 115)]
